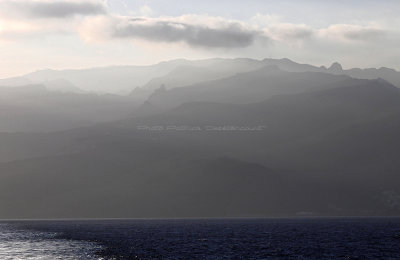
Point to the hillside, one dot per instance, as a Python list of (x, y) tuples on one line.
[(318, 152)]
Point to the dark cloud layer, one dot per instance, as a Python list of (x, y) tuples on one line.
[(56, 9), (232, 35)]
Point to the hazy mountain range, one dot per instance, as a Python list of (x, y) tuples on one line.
[(175, 73), (211, 138)]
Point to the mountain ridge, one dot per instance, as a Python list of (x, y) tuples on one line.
[(131, 76)]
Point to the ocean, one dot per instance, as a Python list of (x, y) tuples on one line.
[(269, 238)]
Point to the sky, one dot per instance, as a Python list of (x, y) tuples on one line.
[(65, 34)]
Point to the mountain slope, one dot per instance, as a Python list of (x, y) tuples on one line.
[(318, 153), (387, 74), (249, 87), (33, 108), (197, 72)]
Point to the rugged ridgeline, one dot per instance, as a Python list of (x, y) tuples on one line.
[(176, 73), (53, 100), (123, 79), (326, 145)]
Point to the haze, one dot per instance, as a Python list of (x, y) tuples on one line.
[(174, 109)]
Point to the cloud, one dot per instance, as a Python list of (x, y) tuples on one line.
[(50, 9), (288, 32), (218, 32), (193, 30), (92, 21), (278, 30), (349, 32)]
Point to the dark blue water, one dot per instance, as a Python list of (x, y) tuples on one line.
[(288, 238)]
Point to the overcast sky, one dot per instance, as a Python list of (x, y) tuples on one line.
[(59, 34)]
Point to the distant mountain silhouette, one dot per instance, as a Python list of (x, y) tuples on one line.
[(175, 73), (336, 68), (248, 87), (201, 72), (390, 75), (14, 82), (34, 108), (328, 145)]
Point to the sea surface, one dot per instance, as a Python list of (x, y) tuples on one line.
[(271, 238)]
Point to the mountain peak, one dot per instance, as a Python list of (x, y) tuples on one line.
[(336, 67), (286, 60)]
